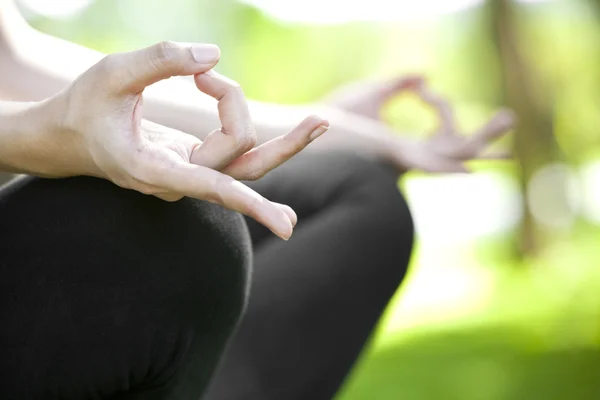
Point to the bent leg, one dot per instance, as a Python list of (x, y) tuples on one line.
[(316, 299), (108, 293)]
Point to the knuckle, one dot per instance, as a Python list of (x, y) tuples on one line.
[(100, 78), (314, 119), (234, 87), (247, 139), (107, 64), (216, 185), (286, 151), (228, 88), (292, 145), (164, 54), (255, 174), (253, 206), (248, 142), (214, 195), (254, 171), (107, 71)]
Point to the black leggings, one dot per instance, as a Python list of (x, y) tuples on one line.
[(106, 293)]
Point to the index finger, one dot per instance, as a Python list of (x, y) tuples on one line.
[(499, 125), (237, 135), (442, 107)]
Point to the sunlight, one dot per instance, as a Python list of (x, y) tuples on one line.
[(444, 287), (473, 205), (306, 11), (553, 195), (341, 11), (445, 284), (56, 8), (590, 177)]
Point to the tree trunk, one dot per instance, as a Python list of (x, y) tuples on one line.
[(534, 143)]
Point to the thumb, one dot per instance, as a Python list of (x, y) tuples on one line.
[(133, 71)]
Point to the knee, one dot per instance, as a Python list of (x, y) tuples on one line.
[(387, 208), (386, 221), (196, 252), (170, 278), (373, 185)]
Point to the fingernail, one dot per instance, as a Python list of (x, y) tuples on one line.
[(281, 235), (206, 53), (318, 132), (287, 234)]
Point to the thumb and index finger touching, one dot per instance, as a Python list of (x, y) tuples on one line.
[(132, 72), (146, 66), (135, 70)]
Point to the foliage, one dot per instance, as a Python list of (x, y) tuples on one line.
[(535, 333)]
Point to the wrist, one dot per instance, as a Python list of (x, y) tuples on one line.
[(19, 137), (33, 140)]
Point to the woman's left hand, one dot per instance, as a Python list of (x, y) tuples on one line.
[(447, 149)]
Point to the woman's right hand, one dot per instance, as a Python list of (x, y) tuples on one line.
[(98, 130)]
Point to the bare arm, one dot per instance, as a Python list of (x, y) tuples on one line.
[(22, 136), (37, 66), (95, 127)]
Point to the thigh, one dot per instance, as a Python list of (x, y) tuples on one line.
[(314, 182), (108, 293), (316, 298)]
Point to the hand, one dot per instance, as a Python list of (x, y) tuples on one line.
[(102, 134), (367, 98), (446, 150)]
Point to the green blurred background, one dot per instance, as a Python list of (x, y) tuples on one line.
[(503, 296)]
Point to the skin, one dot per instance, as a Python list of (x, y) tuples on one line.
[(94, 127), (36, 69), (84, 117), (446, 150)]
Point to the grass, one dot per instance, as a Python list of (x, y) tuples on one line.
[(493, 331)]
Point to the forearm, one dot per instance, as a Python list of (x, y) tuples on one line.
[(35, 66), (41, 68), (177, 106), (347, 131)]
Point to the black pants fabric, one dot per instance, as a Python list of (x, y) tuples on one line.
[(106, 293)]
